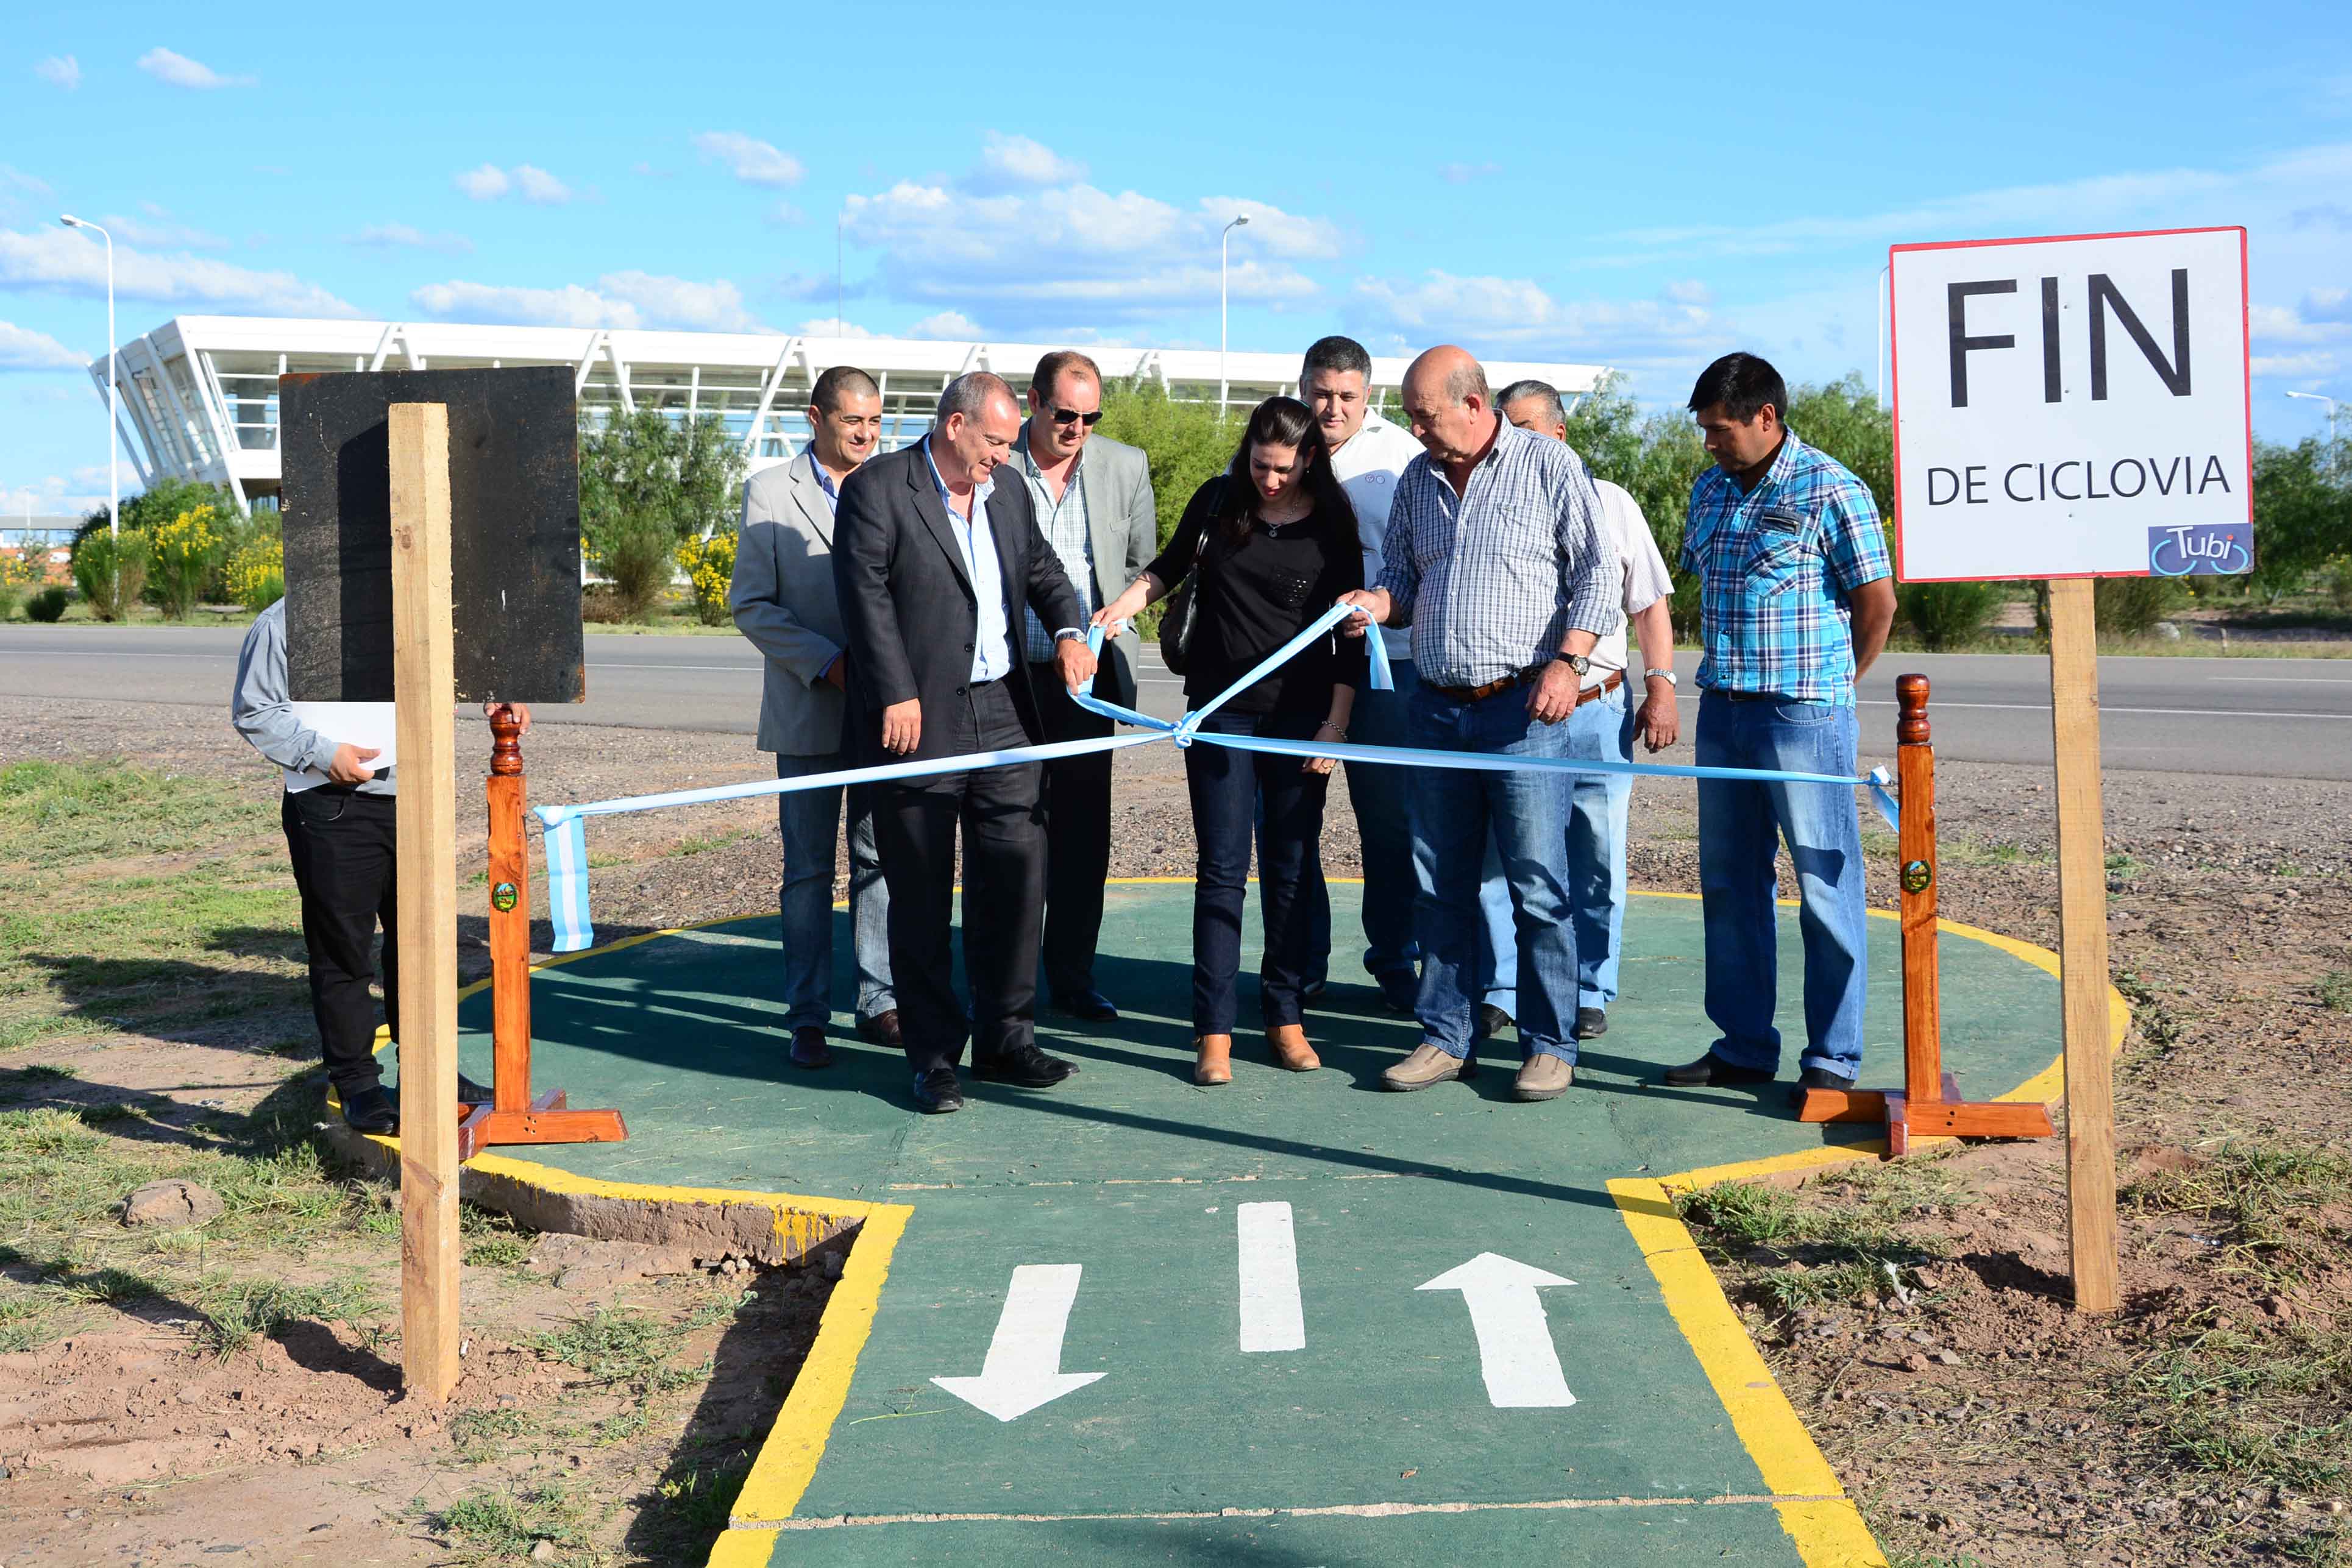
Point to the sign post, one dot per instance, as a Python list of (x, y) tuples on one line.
[(2068, 409)]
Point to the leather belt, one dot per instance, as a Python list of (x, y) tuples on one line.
[(1533, 672)]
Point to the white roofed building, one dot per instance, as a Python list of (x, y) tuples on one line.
[(199, 393)]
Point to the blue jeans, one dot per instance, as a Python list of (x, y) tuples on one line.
[(1738, 824), (1599, 730), (1233, 793), (810, 822), (1525, 811)]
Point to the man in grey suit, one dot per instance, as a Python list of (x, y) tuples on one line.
[(783, 600), (1093, 500)]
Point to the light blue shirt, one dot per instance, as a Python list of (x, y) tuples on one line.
[(824, 483), (993, 657)]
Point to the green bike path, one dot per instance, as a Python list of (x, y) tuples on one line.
[(1293, 1320)]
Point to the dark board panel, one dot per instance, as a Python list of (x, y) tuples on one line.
[(514, 531)]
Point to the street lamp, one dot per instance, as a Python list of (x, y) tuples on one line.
[(113, 428), (1226, 235), (2333, 458)]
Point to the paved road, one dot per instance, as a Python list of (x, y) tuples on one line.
[(2286, 717)]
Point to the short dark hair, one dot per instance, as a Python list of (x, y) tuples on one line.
[(968, 394), (1519, 391), (1341, 354), (1742, 384), (840, 381), (1055, 365)]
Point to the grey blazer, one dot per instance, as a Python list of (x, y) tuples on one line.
[(782, 598), (1123, 524)]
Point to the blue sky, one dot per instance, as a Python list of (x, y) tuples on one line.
[(1643, 186)]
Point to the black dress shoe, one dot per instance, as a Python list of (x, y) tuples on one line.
[(937, 1092), (472, 1093), (1817, 1078), (1590, 1022), (370, 1110), (809, 1048), (882, 1028), (1493, 1020), (1091, 1006), (1399, 991), (1711, 1071), (1023, 1067)]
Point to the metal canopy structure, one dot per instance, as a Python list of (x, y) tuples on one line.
[(199, 393)]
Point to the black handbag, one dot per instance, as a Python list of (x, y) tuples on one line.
[(1182, 604)]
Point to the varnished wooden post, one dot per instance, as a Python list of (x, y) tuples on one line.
[(510, 878), (2083, 946), (425, 690), (1915, 767)]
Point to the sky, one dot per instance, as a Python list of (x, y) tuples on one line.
[(1643, 187)]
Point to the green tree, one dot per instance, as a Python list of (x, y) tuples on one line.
[(1656, 458), (2303, 513), (648, 483)]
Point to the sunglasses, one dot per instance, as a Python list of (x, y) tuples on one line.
[(1072, 416)]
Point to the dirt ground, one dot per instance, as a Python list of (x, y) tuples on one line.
[(1975, 1415)]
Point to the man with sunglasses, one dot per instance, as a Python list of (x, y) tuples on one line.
[(1094, 505)]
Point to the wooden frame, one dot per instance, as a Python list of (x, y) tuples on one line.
[(514, 1115), (1929, 1102)]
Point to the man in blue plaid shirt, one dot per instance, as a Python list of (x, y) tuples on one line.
[(1795, 597), (1496, 556)]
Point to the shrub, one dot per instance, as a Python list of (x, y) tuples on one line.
[(710, 568), (634, 552), (2131, 606), (2339, 581), (1946, 614), (47, 606), (112, 571), (1184, 444), (255, 575), (648, 483), (185, 550)]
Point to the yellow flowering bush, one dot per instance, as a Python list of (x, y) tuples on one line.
[(256, 574), (710, 565), (183, 551)]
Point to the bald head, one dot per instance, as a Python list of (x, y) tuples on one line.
[(977, 422), (1449, 406)]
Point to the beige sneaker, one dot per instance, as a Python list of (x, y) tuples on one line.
[(1543, 1077), (1425, 1066)]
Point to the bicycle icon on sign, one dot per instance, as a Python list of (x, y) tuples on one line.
[(2200, 551)]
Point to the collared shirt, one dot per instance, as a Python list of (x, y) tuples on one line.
[(1645, 577), (1492, 581), (992, 648), (1368, 466), (298, 737), (1776, 564), (824, 483), (1064, 522)]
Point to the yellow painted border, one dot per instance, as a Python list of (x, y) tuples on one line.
[(1824, 1525)]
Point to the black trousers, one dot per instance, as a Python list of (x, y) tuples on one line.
[(1003, 826), (1078, 834), (344, 847)]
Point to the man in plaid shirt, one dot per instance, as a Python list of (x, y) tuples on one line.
[(1795, 597), (1496, 556)]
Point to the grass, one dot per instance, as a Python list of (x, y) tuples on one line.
[(238, 1312), (621, 1345), (501, 1521), (2262, 1202), (2335, 990), (2221, 1402), (1810, 1253)]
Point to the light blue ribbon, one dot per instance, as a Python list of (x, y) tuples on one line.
[(566, 836)]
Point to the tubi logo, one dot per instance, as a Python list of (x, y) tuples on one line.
[(2212, 552)]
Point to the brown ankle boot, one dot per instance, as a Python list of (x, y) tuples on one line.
[(1213, 1061), (1291, 1051)]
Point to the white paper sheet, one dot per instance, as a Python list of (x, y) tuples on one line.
[(357, 724)]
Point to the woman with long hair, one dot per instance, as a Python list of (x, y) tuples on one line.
[(1271, 543)]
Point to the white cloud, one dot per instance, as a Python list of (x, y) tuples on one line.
[(164, 235), (1516, 317), (22, 348), (752, 160), (68, 261), (1690, 291), (1271, 229), (181, 71), (60, 70), (533, 184), (2315, 364), (789, 216), (949, 326), (830, 327), (619, 299), (389, 237), (1014, 163), (1463, 173)]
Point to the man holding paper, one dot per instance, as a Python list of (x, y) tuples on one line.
[(340, 814)]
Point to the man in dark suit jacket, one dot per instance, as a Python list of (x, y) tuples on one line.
[(935, 557)]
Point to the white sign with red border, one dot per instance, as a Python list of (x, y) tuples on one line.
[(2075, 406)]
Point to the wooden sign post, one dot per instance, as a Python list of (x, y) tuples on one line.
[(424, 689), (2068, 408)]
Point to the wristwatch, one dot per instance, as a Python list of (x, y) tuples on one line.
[(1578, 662), (1665, 675)]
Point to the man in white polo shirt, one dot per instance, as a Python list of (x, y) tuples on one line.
[(1368, 454), (1605, 722)]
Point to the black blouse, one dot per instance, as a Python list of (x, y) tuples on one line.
[(1256, 596)]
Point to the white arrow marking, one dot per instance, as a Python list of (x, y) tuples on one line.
[(1271, 1318), (1023, 1369), (1515, 1348)]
